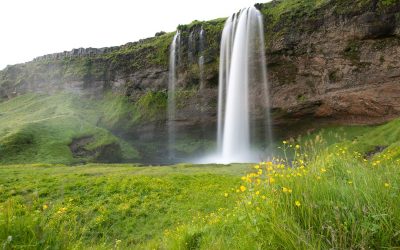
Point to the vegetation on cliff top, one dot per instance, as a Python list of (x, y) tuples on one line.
[(281, 17)]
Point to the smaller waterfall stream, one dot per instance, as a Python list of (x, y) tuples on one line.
[(201, 57), (173, 61), (191, 47)]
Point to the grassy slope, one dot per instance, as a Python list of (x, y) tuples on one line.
[(362, 139), (67, 207), (38, 127), (334, 197), (344, 201)]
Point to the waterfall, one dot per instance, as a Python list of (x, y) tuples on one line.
[(242, 72), (173, 61), (201, 58), (191, 47)]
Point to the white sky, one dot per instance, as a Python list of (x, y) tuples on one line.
[(31, 28)]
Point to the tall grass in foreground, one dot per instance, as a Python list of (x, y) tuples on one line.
[(104, 206), (315, 198), (319, 194)]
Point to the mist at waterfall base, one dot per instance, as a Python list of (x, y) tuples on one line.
[(243, 88)]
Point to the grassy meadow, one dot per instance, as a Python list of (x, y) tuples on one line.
[(102, 206), (337, 188)]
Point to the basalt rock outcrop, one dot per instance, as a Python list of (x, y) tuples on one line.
[(331, 61)]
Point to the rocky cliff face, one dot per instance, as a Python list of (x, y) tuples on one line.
[(346, 69), (329, 61)]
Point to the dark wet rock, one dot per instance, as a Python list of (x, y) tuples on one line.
[(108, 153), (376, 150), (372, 25)]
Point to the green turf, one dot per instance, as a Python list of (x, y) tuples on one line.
[(321, 194), (59, 207), (339, 198), (39, 127)]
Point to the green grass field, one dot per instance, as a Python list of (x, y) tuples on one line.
[(337, 188), (49, 206), (332, 190)]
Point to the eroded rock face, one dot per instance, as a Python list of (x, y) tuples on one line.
[(345, 80)]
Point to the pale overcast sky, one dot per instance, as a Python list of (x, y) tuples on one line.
[(31, 28)]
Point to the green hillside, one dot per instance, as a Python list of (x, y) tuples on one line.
[(40, 128), (328, 191)]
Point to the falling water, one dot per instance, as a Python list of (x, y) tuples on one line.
[(201, 58), (174, 55), (242, 71), (191, 47)]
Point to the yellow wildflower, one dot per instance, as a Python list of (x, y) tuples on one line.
[(285, 190), (297, 146), (284, 142), (271, 180), (242, 188), (226, 194), (45, 207), (323, 170), (387, 185), (258, 192), (297, 203)]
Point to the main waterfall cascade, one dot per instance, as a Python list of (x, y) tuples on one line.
[(242, 74), (243, 96), (173, 61)]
